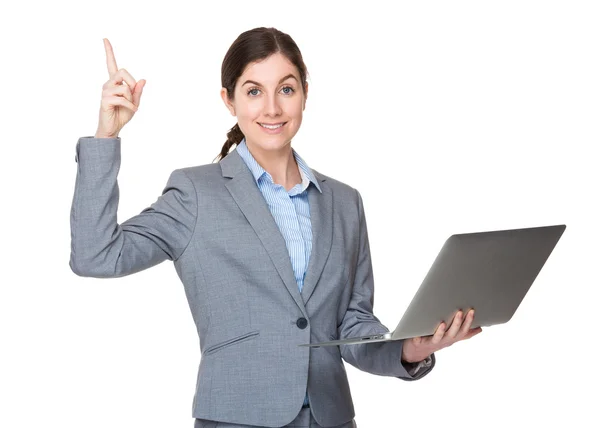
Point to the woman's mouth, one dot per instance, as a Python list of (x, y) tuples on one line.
[(272, 128)]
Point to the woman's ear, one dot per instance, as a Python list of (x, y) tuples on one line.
[(228, 104), (305, 95)]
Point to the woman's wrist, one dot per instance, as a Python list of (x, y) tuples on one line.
[(410, 354)]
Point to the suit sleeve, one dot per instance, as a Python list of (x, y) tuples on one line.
[(380, 358), (102, 248)]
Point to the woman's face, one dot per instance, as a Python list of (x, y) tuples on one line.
[(268, 93)]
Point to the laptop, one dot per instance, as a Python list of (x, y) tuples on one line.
[(490, 272)]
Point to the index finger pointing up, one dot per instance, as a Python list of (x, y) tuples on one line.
[(111, 62)]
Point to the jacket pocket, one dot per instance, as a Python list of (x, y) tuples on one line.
[(219, 346)]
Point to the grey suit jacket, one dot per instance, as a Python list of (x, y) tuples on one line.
[(214, 224)]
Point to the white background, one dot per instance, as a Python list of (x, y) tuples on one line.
[(448, 117)]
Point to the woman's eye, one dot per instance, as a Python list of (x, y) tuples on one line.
[(254, 91)]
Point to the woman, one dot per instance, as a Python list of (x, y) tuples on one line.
[(272, 254)]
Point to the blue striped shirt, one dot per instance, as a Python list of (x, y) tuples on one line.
[(290, 209)]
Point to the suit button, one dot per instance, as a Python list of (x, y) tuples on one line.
[(302, 323)]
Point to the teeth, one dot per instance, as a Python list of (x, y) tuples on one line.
[(271, 126)]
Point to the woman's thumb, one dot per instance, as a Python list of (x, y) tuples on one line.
[(137, 91)]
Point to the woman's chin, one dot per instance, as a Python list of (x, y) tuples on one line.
[(272, 142)]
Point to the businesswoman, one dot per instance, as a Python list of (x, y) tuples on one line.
[(271, 253)]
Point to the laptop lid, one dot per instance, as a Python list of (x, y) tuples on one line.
[(488, 271)]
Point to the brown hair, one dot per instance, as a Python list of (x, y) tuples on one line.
[(251, 46)]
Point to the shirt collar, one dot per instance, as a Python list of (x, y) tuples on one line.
[(258, 171)]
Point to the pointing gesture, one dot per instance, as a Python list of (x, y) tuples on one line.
[(119, 101)]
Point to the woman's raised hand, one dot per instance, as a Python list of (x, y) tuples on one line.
[(119, 101)]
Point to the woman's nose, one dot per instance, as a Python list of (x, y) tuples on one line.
[(272, 106)]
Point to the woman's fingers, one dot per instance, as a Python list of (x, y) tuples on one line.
[(439, 333), (455, 326), (472, 332), (119, 90), (115, 75), (114, 100), (137, 91), (119, 101), (467, 323), (111, 62), (120, 76), (128, 78)]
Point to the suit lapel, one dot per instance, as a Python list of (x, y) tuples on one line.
[(251, 202), (321, 218)]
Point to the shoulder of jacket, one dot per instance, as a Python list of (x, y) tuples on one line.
[(202, 172), (339, 188)]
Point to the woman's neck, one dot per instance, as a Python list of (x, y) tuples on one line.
[(280, 164)]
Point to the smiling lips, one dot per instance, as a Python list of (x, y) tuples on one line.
[(272, 125)]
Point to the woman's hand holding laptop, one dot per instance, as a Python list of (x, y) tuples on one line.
[(419, 348)]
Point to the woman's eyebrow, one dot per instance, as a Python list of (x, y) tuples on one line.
[(283, 79)]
